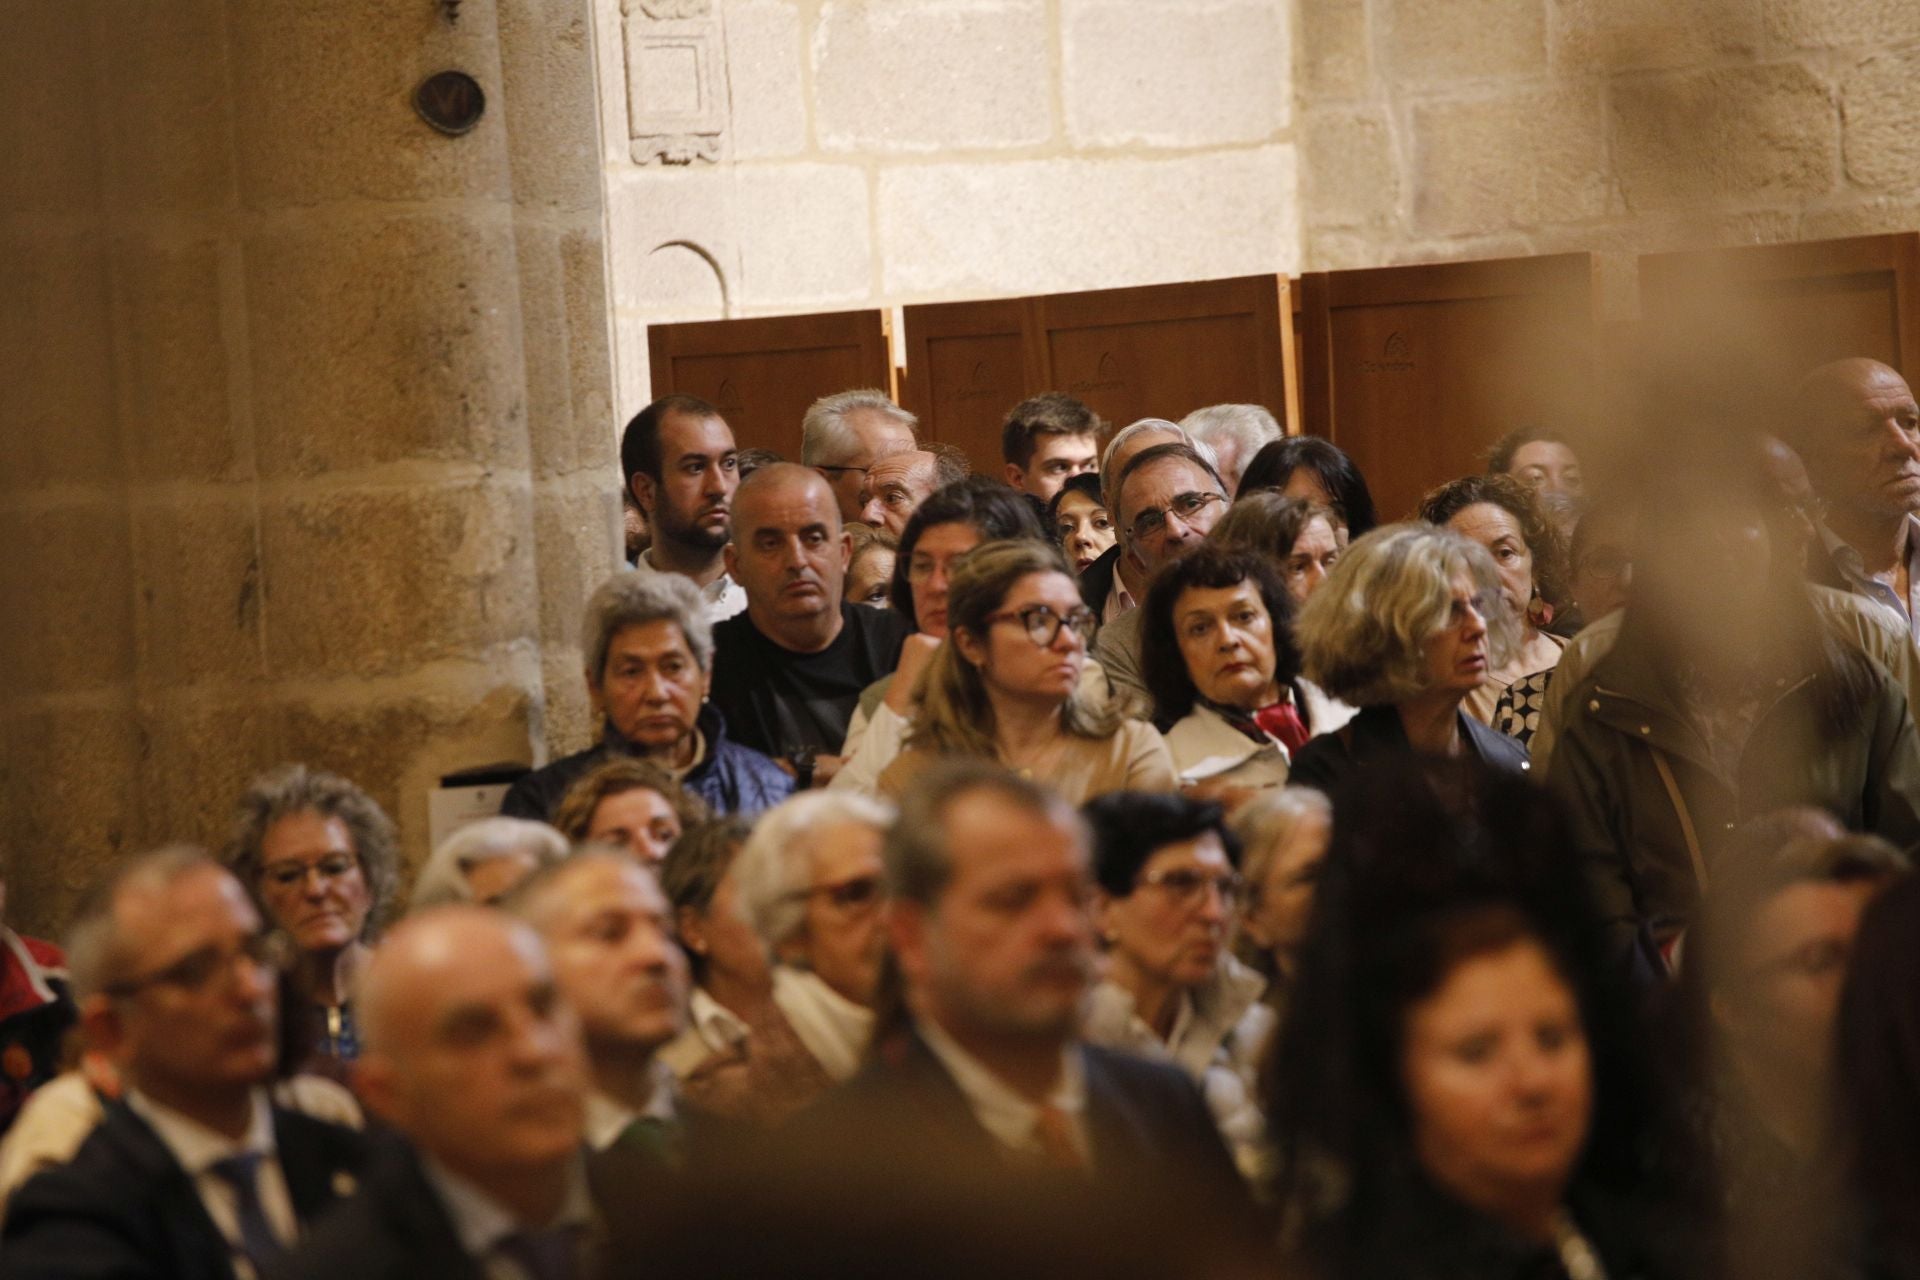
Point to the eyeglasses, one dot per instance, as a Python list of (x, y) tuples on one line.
[(1184, 505), (287, 875), (1043, 624), (196, 970), (1482, 604), (1186, 886), (849, 895)]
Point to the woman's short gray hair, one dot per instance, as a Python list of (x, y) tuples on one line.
[(1270, 817), (443, 878), (632, 597), (825, 437), (1363, 634), (774, 869), (295, 788)]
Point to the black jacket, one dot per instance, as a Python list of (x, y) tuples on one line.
[(124, 1209), (1096, 580), (1377, 734)]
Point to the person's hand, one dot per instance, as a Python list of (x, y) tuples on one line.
[(1221, 792), (915, 656), (824, 767)]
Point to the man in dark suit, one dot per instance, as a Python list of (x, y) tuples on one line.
[(469, 1054), (195, 1173), (990, 881)]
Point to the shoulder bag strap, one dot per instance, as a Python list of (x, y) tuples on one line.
[(1687, 831)]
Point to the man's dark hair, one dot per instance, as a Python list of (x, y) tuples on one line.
[(640, 442), (1500, 457), (988, 505), (1050, 413), (1342, 480), (1129, 827)]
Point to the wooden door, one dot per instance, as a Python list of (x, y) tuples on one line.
[(1417, 371), (763, 372), (1790, 307), (967, 364)]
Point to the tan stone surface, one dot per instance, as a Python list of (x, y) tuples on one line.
[(765, 60), (167, 63), (71, 810), (552, 125), (1881, 104), (1601, 35), (1335, 57), (48, 148), (1349, 169), (375, 341), (66, 580), (197, 606), (56, 399), (969, 230), (199, 756), (174, 371), (372, 583), (922, 75), (1508, 162), (1432, 40), (1122, 84), (1822, 24), (1747, 133)]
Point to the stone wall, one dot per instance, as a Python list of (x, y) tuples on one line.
[(304, 450), (1445, 129), (769, 156)]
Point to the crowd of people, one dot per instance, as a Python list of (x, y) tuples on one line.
[(1139, 862)]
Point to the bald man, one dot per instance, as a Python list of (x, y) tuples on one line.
[(470, 1053), (788, 672), (1857, 428)]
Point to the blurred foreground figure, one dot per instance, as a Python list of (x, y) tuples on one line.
[(195, 1172), (1879, 1061), (36, 1011), (1458, 1092), (474, 1059)]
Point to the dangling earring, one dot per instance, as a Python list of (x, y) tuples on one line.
[(1539, 612)]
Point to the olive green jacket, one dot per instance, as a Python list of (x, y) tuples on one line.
[(1627, 829)]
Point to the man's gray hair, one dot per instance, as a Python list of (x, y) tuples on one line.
[(444, 877), (1120, 437), (97, 957), (826, 439), (917, 854), (1248, 426), (633, 597), (774, 868)]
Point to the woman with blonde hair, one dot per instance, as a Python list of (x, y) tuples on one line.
[(1004, 685)]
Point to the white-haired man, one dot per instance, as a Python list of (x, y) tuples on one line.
[(845, 433), (1116, 582), (1235, 432)]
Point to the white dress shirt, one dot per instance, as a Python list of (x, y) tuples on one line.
[(723, 595), (198, 1148), (834, 1029), (608, 1119), (1009, 1118)]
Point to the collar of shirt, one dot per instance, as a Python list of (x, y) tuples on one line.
[(608, 1119), (723, 595), (1001, 1111), (720, 1028), (480, 1222), (834, 1029), (1119, 601), (198, 1148), (1851, 567)]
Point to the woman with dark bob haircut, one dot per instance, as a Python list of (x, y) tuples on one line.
[(1460, 1090), (1879, 1059), (1315, 469), (1221, 665), (1504, 516)]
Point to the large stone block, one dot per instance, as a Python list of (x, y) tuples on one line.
[(568, 722), (167, 127), (198, 757), (380, 340), (1740, 133), (1825, 24), (197, 603), (1487, 164), (67, 578), (323, 103), (174, 371), (583, 277), (49, 151), (765, 82), (70, 811), (1121, 86), (578, 544), (1880, 102), (1349, 169), (1879, 216), (546, 64), (378, 582), (56, 400), (927, 75), (1432, 40), (1046, 225), (1336, 50), (1613, 35)]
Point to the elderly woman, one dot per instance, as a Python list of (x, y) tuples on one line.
[(483, 861), (1166, 906), (1317, 470), (1503, 515), (1406, 627), (952, 522), (1006, 685), (1302, 537), (1220, 662), (1081, 525), (649, 650), (1283, 839), (811, 886), (632, 804), (319, 856)]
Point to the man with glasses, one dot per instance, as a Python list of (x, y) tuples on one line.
[(844, 434), (990, 885), (1164, 503), (194, 1172)]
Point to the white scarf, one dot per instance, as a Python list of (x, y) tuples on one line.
[(834, 1028)]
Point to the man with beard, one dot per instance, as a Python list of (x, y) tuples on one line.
[(682, 467), (788, 672), (1857, 428), (990, 878)]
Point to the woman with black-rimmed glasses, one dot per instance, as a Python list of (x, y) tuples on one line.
[(1006, 684)]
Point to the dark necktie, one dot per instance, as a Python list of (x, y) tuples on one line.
[(257, 1240), (544, 1255), (1283, 723)]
